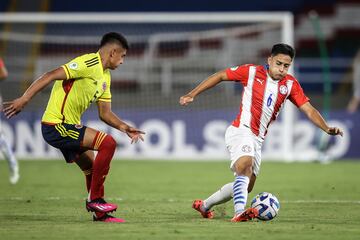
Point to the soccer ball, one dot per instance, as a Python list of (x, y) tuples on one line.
[(267, 204)]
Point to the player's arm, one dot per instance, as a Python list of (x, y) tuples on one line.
[(204, 85), (3, 70), (14, 107), (318, 120), (110, 118)]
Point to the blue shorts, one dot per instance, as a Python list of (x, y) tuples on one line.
[(65, 137)]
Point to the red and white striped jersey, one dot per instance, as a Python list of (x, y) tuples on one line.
[(263, 97)]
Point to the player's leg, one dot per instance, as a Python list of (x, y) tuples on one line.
[(72, 141), (11, 159), (243, 170), (232, 138), (105, 145), (250, 213), (241, 145), (85, 162), (224, 194)]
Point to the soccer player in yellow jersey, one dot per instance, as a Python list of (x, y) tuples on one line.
[(77, 84)]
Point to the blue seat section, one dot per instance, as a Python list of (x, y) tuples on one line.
[(343, 45), (138, 35), (184, 5), (176, 6), (4, 5), (311, 76), (137, 29)]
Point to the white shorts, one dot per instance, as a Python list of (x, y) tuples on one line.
[(242, 142)]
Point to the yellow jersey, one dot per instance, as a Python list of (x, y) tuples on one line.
[(86, 82)]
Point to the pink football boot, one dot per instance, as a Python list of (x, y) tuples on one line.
[(108, 219), (100, 205)]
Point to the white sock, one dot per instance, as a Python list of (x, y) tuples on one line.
[(240, 187), (224, 194)]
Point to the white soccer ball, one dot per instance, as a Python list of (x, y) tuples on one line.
[(267, 204)]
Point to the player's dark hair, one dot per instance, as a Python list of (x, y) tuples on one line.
[(282, 48), (113, 37)]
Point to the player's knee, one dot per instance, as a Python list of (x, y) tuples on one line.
[(84, 163), (243, 166), (87, 171)]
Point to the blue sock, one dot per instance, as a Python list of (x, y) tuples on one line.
[(240, 187)]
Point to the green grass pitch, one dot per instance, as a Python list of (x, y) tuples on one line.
[(317, 201)]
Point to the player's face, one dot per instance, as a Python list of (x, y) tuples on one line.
[(117, 57), (279, 66)]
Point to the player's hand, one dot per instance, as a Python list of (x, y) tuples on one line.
[(14, 107), (186, 99), (334, 131), (135, 134)]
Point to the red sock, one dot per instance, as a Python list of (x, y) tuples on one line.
[(101, 164)]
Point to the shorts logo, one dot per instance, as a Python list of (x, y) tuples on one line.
[(283, 89), (246, 148), (234, 68), (73, 65), (78, 126), (104, 86)]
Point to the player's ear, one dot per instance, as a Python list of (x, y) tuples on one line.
[(112, 52), (269, 60)]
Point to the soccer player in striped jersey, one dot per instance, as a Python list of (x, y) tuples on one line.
[(77, 84), (5, 147), (265, 90)]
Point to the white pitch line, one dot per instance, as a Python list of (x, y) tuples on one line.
[(56, 198), (322, 201)]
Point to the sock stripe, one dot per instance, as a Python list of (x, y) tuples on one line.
[(99, 140), (237, 184), (102, 139), (94, 140), (238, 188), (240, 178), (239, 199)]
